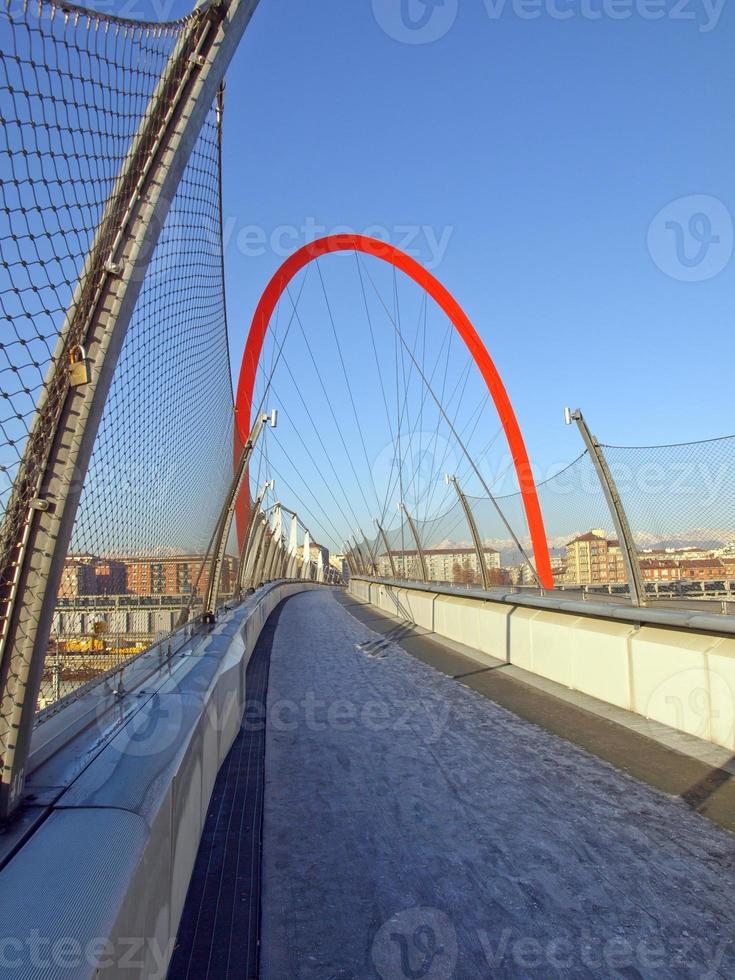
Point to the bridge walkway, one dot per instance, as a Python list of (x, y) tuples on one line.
[(414, 827)]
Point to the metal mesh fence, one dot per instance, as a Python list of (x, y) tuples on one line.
[(680, 504), (73, 91), (574, 508), (76, 89), (678, 500)]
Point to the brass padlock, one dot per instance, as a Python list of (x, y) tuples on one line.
[(79, 372)]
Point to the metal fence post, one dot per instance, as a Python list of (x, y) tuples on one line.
[(372, 554), (473, 531), (419, 551), (365, 564), (228, 512), (388, 552), (636, 585), (264, 553), (349, 558), (40, 516), (250, 536), (254, 552)]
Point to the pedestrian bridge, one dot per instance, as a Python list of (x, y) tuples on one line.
[(312, 787), (320, 670)]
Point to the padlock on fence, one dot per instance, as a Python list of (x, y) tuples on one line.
[(79, 371)]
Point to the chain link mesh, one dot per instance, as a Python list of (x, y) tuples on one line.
[(679, 501), (572, 502), (76, 89)]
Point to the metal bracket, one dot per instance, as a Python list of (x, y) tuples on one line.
[(114, 268)]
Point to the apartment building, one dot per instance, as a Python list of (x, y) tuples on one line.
[(455, 564)]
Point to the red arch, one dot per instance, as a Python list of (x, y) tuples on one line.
[(420, 275)]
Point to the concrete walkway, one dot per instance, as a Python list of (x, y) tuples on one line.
[(415, 829)]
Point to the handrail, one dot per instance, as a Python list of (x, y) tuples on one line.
[(640, 615)]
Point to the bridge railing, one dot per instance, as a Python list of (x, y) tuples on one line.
[(117, 425), (664, 512)]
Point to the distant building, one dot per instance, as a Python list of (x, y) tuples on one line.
[(455, 564), (315, 549), (176, 575), (677, 554), (592, 559), (660, 570), (339, 562), (78, 577), (110, 577), (703, 570)]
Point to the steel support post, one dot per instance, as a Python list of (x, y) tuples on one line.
[(359, 560), (40, 516), (636, 585), (473, 531), (371, 554), (352, 560), (388, 552), (250, 535), (270, 554), (293, 547), (254, 550), (263, 557), (228, 512), (364, 564), (272, 570), (306, 567), (275, 571), (349, 558), (285, 562), (419, 550)]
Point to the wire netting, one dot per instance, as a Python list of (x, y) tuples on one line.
[(573, 506), (76, 88), (680, 502)]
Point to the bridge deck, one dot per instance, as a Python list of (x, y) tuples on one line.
[(412, 827)]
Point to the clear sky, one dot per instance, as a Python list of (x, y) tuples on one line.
[(545, 148), (564, 167)]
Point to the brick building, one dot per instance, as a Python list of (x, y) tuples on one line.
[(593, 559), (88, 575)]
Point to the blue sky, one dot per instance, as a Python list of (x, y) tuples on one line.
[(563, 166), (546, 147)]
